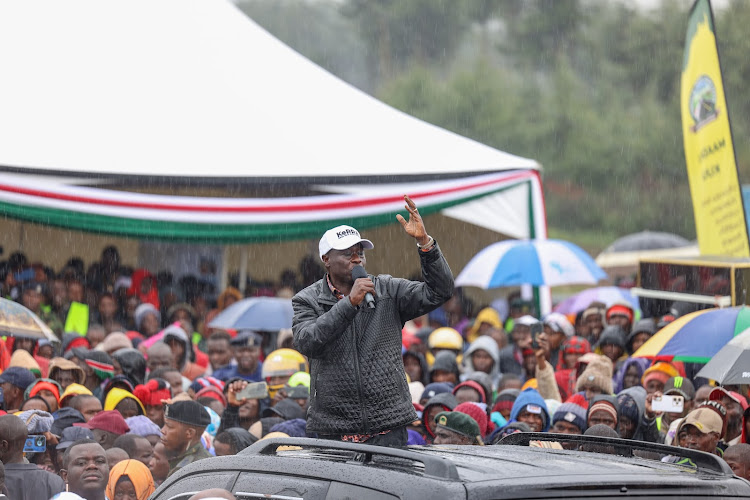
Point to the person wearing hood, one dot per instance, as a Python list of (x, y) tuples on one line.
[(612, 344), (629, 374), (511, 356), (123, 401), (596, 378), (486, 321), (483, 356), (432, 390), (642, 330), (445, 368), (147, 319), (131, 363), (470, 391), (144, 286), (416, 367), (65, 372), (634, 421), (575, 352), (131, 478), (444, 401), (603, 409), (97, 366), (503, 405), (182, 350), (531, 409), (557, 329), (232, 441)]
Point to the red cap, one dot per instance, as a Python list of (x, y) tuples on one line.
[(620, 309), (110, 421), (720, 392)]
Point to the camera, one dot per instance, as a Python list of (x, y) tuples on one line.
[(35, 443)]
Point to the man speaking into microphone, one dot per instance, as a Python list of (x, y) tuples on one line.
[(358, 389)]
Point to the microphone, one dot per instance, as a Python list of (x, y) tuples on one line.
[(359, 272)]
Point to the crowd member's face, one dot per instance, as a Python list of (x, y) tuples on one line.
[(175, 436), (444, 376), (555, 339), (595, 325), (467, 394), (696, 440), (175, 382), (431, 414), (87, 471), (482, 361), (529, 365), (159, 358), (339, 263), (124, 490), (34, 404), (564, 427), (59, 293), (249, 410), (620, 320), (632, 377), (734, 416), (144, 452), (247, 358), (159, 464), (155, 413), (701, 395), (149, 325), (95, 336), (75, 291), (178, 351), (25, 344), (219, 353), (50, 399), (739, 467), (32, 299), (521, 335), (612, 351), (571, 358), (626, 427), (533, 420), (128, 408), (64, 378), (90, 407), (413, 368), (131, 304), (639, 340), (46, 351), (444, 436), (181, 315), (602, 417), (107, 307), (654, 385)]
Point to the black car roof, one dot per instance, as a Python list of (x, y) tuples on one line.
[(479, 471)]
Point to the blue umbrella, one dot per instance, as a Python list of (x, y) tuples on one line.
[(267, 314), (533, 262)]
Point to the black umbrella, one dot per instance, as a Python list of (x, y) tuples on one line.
[(731, 365), (647, 240)]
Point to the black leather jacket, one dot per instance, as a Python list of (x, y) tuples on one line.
[(358, 384)]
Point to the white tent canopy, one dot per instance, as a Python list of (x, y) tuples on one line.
[(194, 88)]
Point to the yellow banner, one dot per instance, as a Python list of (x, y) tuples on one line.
[(709, 151)]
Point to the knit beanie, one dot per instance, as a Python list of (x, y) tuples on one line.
[(612, 335), (571, 413), (598, 373), (479, 415), (661, 371)]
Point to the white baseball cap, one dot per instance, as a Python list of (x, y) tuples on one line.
[(341, 238)]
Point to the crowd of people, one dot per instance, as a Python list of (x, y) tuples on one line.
[(140, 385)]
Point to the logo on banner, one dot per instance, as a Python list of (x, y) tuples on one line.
[(703, 108)]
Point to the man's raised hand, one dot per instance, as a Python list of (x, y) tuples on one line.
[(414, 227)]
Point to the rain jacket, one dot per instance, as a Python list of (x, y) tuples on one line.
[(133, 364), (422, 363), (530, 397), (446, 401), (487, 315), (619, 378), (116, 395), (645, 429), (358, 384), (487, 344), (187, 367)]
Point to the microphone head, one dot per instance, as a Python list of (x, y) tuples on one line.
[(358, 272)]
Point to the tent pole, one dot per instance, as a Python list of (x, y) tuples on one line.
[(243, 269), (224, 278)]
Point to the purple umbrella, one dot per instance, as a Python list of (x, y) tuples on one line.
[(606, 294)]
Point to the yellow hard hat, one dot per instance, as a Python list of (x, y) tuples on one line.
[(283, 363), (445, 338)]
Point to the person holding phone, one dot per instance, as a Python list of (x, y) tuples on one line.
[(350, 329)]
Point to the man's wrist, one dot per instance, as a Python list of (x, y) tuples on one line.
[(426, 243)]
